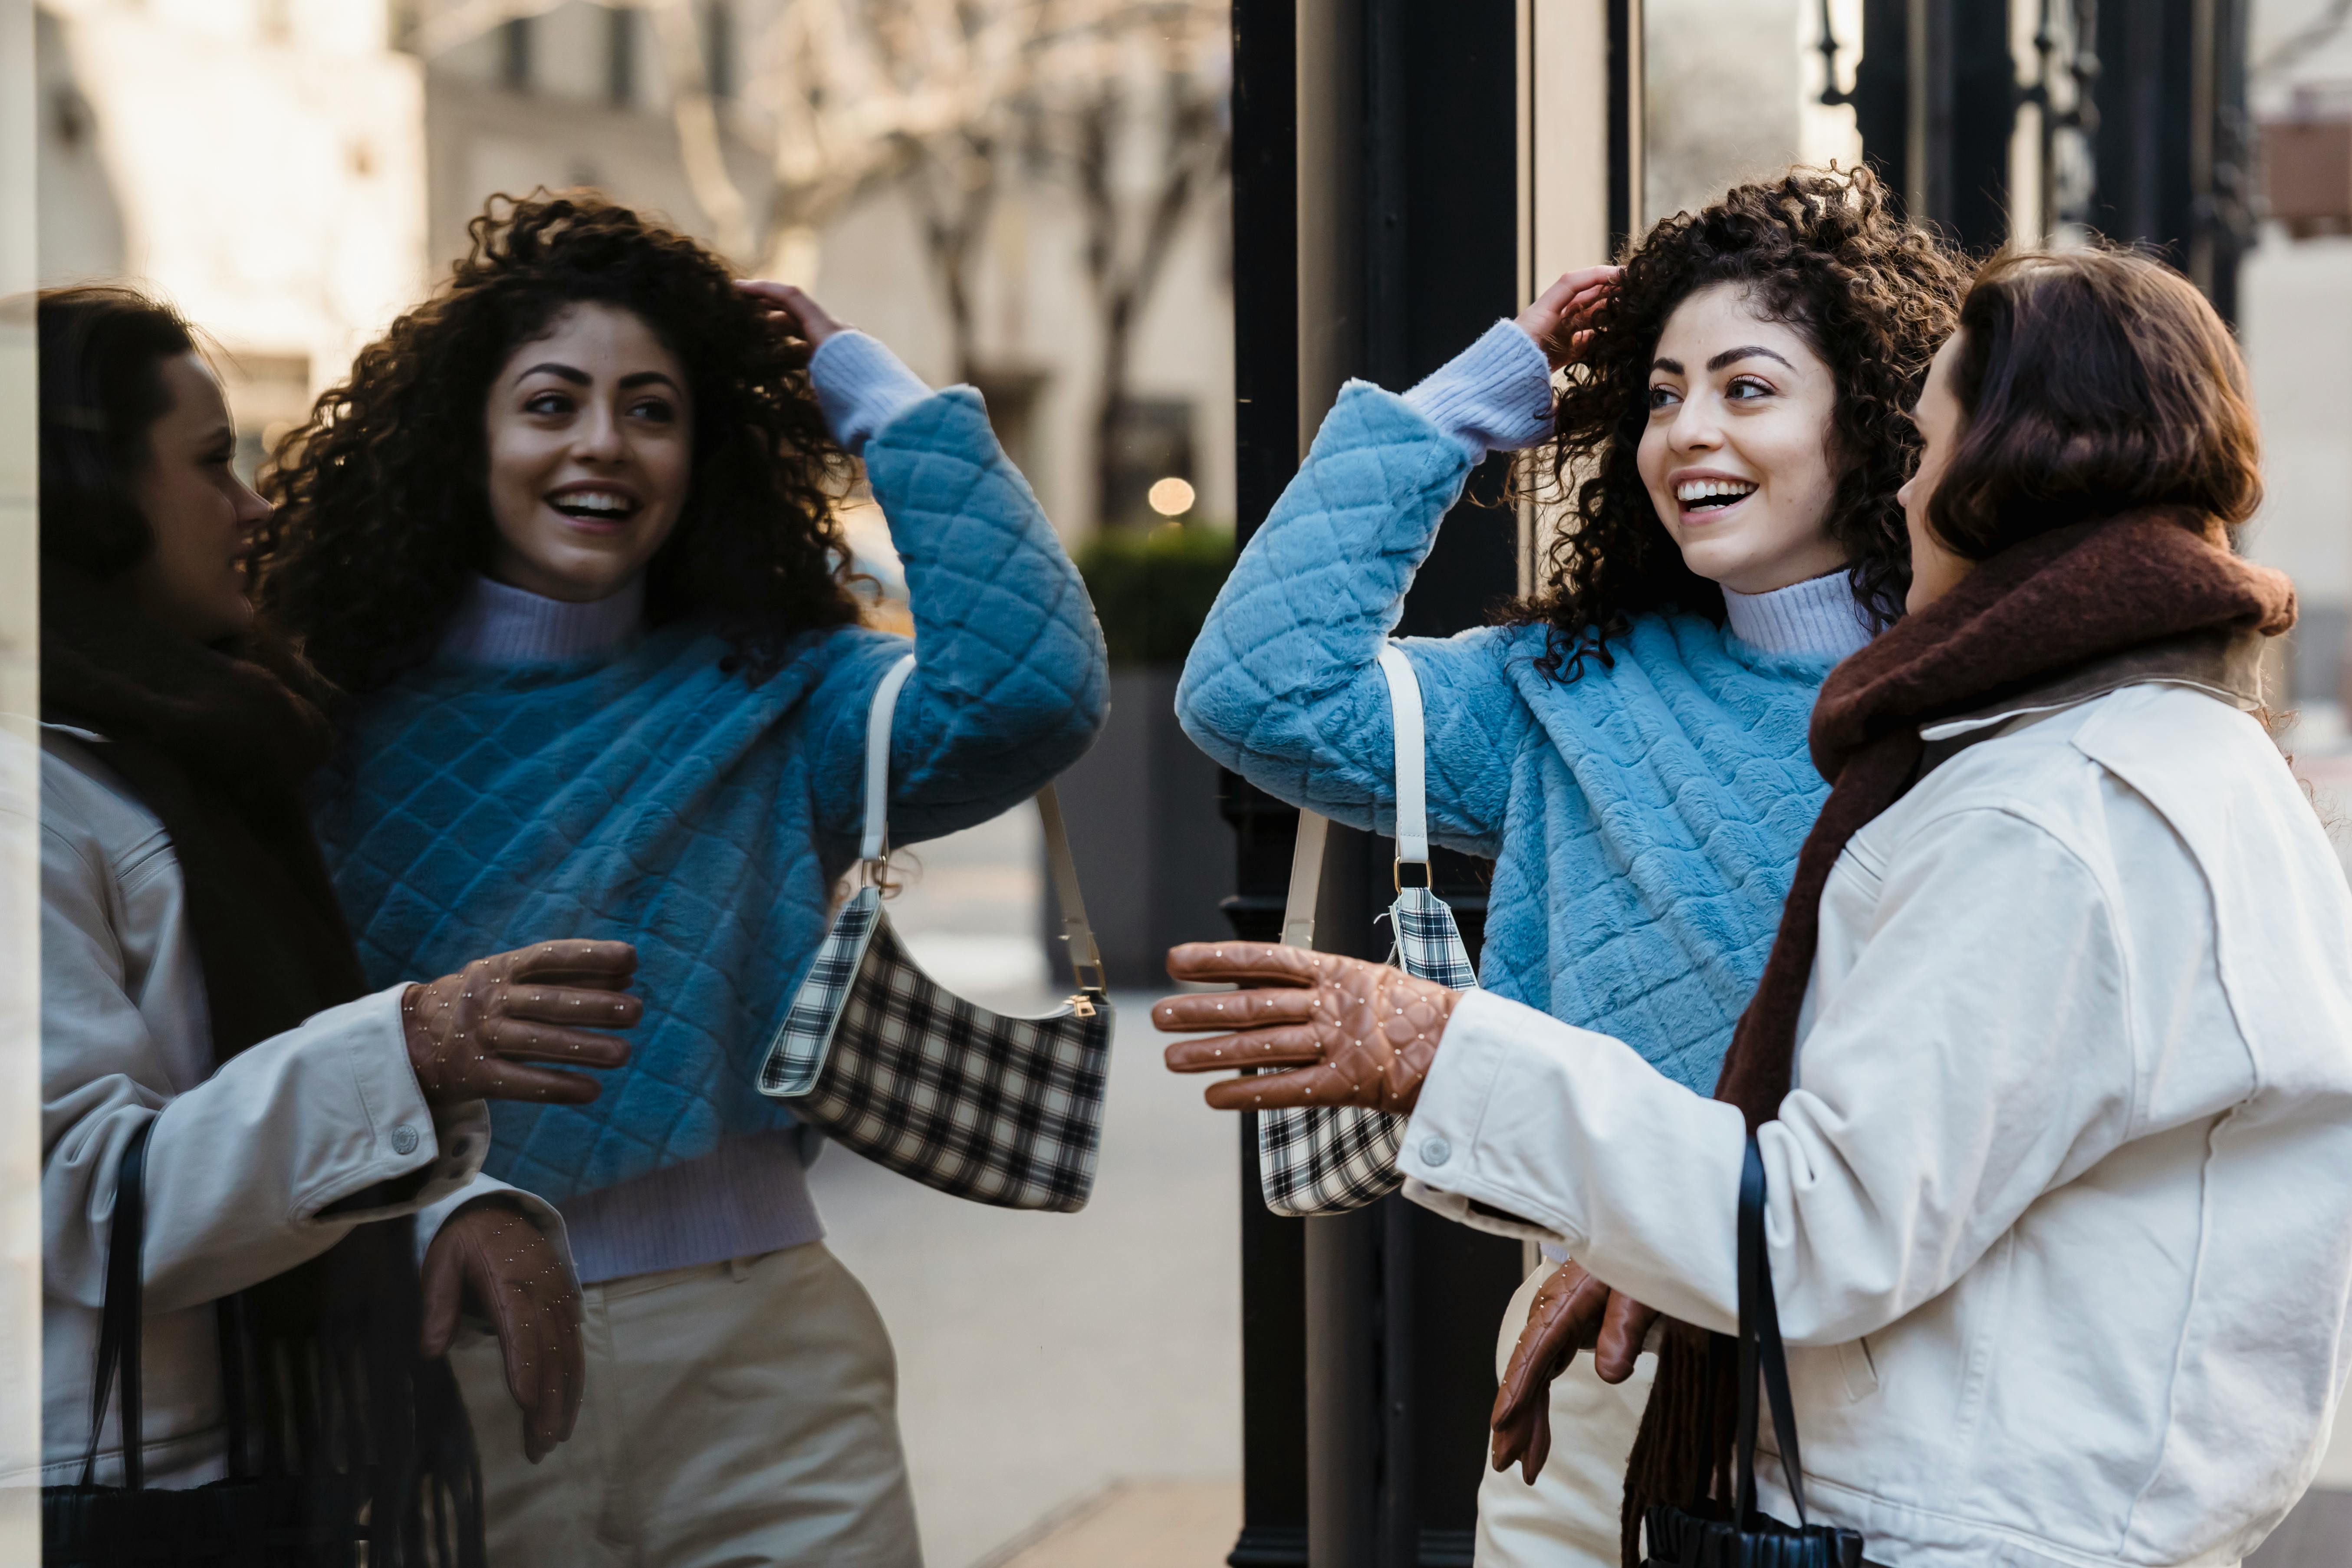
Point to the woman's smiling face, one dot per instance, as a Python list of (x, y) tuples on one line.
[(1737, 453), (591, 444)]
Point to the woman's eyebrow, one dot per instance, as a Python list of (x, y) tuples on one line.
[(1733, 356), (643, 377), (1670, 366), (576, 378)]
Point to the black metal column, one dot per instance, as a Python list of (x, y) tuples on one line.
[(1390, 127), (2172, 150)]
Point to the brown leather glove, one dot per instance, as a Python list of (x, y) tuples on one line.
[(490, 1254), (467, 1031), (1358, 1033), (1572, 1311)]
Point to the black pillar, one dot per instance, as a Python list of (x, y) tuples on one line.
[(2172, 153), (2163, 90), (1410, 248)]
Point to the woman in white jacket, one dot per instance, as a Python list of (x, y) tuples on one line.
[(2049, 1065), (199, 993)]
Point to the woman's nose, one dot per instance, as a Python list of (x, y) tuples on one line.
[(1696, 429), (598, 436)]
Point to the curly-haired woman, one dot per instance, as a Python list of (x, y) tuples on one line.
[(565, 538), (1629, 748), (2044, 1090)]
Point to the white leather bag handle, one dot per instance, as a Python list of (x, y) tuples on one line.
[(874, 844), (877, 759), (1412, 781), (1412, 810)]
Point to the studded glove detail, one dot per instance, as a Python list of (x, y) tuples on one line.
[(1356, 1033), (490, 1254), (468, 1033)]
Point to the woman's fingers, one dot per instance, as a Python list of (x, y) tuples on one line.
[(1240, 963), (570, 1005), (443, 1288), (1584, 279), (522, 1040), (1623, 1328), (511, 1080), (1234, 1010), (579, 960), (1321, 1084), (1291, 1047), (811, 320)]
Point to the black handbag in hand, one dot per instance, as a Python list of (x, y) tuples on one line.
[(1694, 1538), (238, 1521)]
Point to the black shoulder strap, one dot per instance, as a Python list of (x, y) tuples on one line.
[(123, 1318), (1760, 1342)]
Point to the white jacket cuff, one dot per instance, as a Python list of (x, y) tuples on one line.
[(449, 1142), (1535, 1128), (861, 386), (538, 1210)]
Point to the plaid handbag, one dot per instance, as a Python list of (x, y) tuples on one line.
[(889, 1063), (1332, 1159)]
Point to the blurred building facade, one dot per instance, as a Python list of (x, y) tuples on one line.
[(292, 172), (261, 163)]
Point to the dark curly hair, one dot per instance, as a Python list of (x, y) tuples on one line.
[(1822, 250), (383, 500)]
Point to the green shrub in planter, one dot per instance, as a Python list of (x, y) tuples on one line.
[(1152, 588)]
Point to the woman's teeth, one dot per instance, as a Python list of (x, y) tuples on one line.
[(1696, 495), (596, 505)]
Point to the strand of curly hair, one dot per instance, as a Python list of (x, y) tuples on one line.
[(1822, 250), (383, 509)]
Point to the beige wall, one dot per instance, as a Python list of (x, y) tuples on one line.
[(20, 1225)]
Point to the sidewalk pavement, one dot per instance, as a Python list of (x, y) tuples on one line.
[(1074, 1369)]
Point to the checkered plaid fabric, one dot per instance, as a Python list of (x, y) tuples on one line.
[(796, 1056), (1000, 1110), (1331, 1160)]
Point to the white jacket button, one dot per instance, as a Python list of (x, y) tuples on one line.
[(404, 1138), (1435, 1151)]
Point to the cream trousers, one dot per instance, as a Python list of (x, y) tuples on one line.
[(1569, 1519), (737, 1414)]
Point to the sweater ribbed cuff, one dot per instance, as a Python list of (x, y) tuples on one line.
[(1819, 618), (1493, 397), (861, 386)]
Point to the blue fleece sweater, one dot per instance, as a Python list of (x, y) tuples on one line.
[(1644, 819), (647, 792)]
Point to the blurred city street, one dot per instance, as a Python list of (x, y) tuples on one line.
[(1069, 1385)]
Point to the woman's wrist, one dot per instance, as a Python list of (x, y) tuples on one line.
[(1493, 397), (861, 386)]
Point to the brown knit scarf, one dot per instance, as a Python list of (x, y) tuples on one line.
[(2026, 619)]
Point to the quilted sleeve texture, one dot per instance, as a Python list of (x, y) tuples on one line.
[(1283, 684), (1009, 684)]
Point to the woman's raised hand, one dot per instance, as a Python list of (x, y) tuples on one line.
[(1355, 1033), (1561, 318), (790, 308), (1572, 1311), (469, 1032)]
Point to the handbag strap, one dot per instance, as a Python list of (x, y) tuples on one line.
[(1412, 807), (874, 839), (123, 1316), (1412, 781), (1760, 1347)]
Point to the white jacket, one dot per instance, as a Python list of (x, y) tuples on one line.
[(250, 1171), (2061, 1205)]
